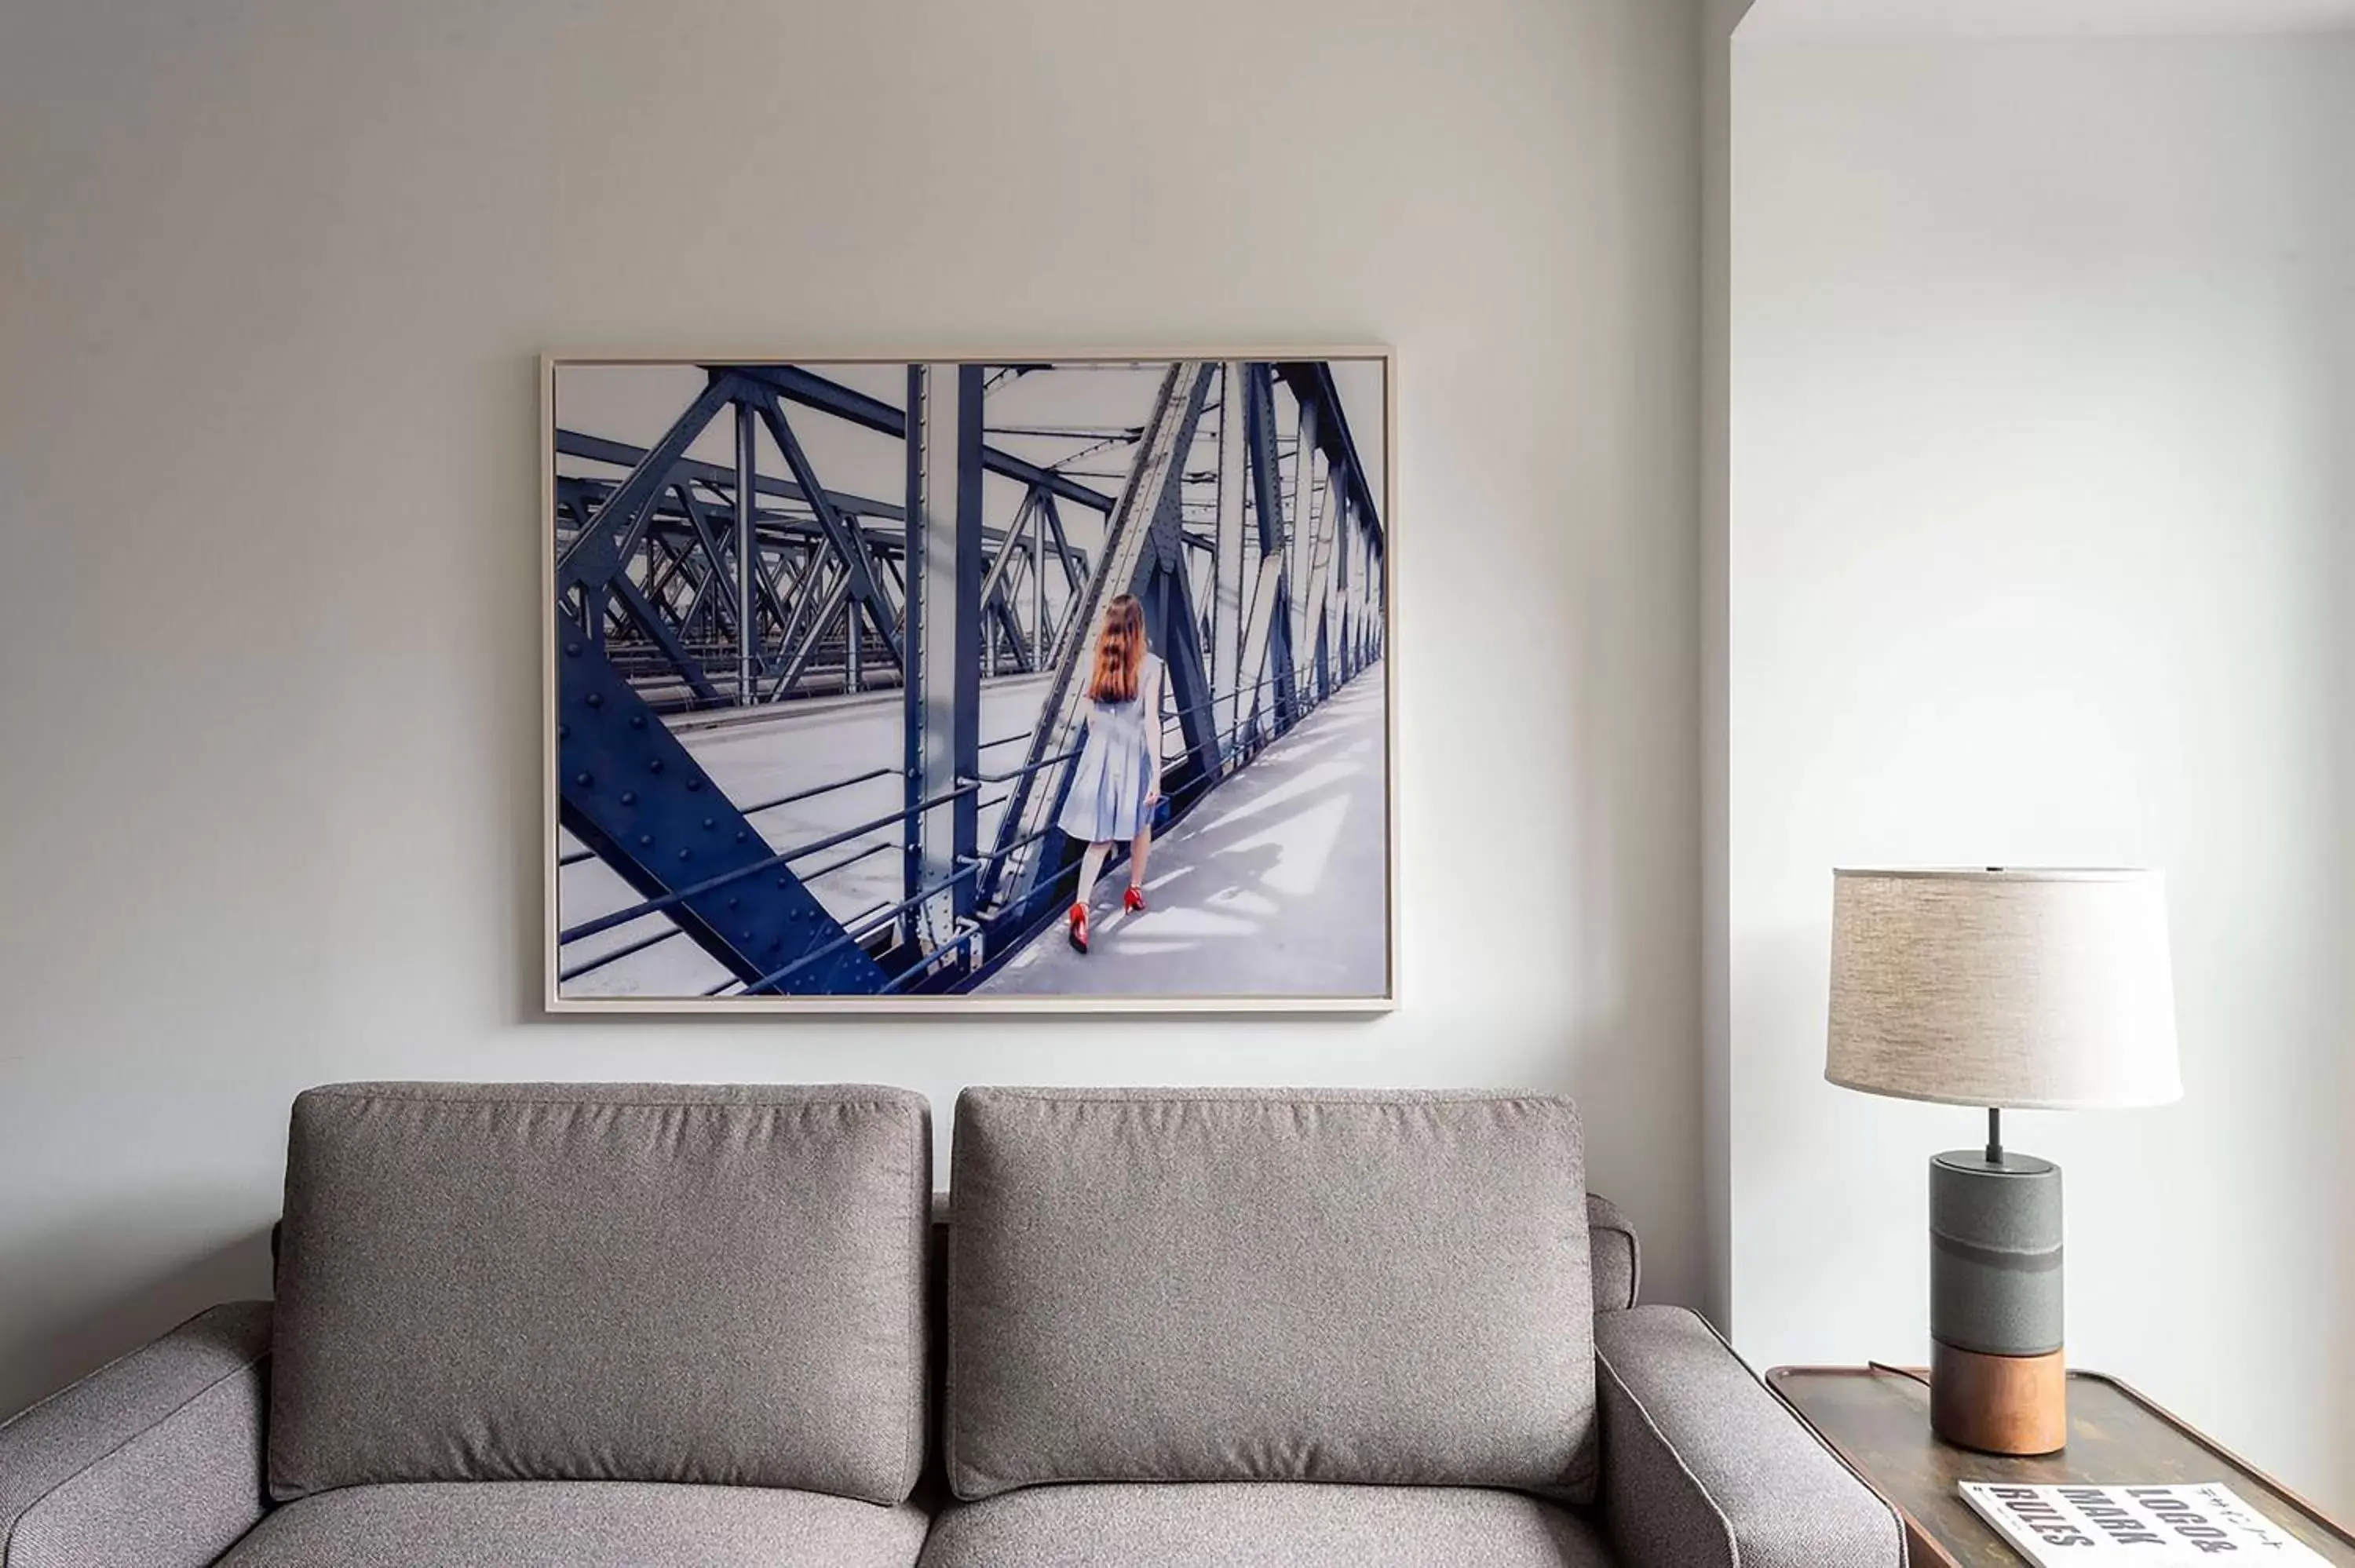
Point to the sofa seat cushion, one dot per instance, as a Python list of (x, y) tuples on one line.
[(1261, 1524), (580, 1524)]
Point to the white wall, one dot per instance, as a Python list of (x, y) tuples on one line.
[(1719, 21), (272, 276), (2043, 388)]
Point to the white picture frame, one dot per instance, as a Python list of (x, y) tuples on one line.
[(713, 806)]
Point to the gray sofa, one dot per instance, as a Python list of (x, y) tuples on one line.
[(604, 1325)]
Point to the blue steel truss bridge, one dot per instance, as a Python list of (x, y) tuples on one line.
[(822, 634)]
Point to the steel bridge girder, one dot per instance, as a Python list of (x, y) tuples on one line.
[(634, 794)]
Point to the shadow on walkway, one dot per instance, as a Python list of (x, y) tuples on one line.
[(1275, 885)]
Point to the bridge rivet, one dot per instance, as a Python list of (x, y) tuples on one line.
[(594, 700), (733, 901), (740, 835), (687, 854), (583, 780), (637, 721), (784, 882), (708, 824), (656, 766), (645, 840), (629, 797), (694, 784), (744, 936), (572, 651), (775, 942)]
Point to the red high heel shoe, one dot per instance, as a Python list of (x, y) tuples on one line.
[(1133, 899), (1079, 918)]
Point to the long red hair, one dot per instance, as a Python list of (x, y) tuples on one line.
[(1120, 651)]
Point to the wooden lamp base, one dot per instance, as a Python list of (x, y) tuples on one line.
[(1999, 1405)]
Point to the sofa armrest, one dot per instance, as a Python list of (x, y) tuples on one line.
[(1618, 1261), (153, 1461), (1702, 1465)]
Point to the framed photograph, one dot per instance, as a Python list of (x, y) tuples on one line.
[(968, 685)]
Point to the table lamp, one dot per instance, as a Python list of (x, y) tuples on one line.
[(2006, 988)]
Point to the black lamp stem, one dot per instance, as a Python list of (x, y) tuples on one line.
[(1994, 1135)]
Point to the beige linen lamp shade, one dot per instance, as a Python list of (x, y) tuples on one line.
[(2028, 990)]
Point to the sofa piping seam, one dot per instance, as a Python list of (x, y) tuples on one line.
[(914, 1284), (614, 1104), (1332, 1098), (1791, 1419), (1895, 1519), (8, 1537), (133, 1353), (1708, 1499)]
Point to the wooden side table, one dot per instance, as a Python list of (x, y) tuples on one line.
[(1878, 1419)]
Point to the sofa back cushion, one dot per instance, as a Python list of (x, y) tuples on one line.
[(602, 1282), (1249, 1285)]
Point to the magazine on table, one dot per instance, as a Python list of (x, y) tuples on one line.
[(2168, 1526)]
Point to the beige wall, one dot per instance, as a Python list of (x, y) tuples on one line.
[(272, 276), (2043, 378)]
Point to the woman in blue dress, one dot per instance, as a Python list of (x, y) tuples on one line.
[(1116, 781)]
